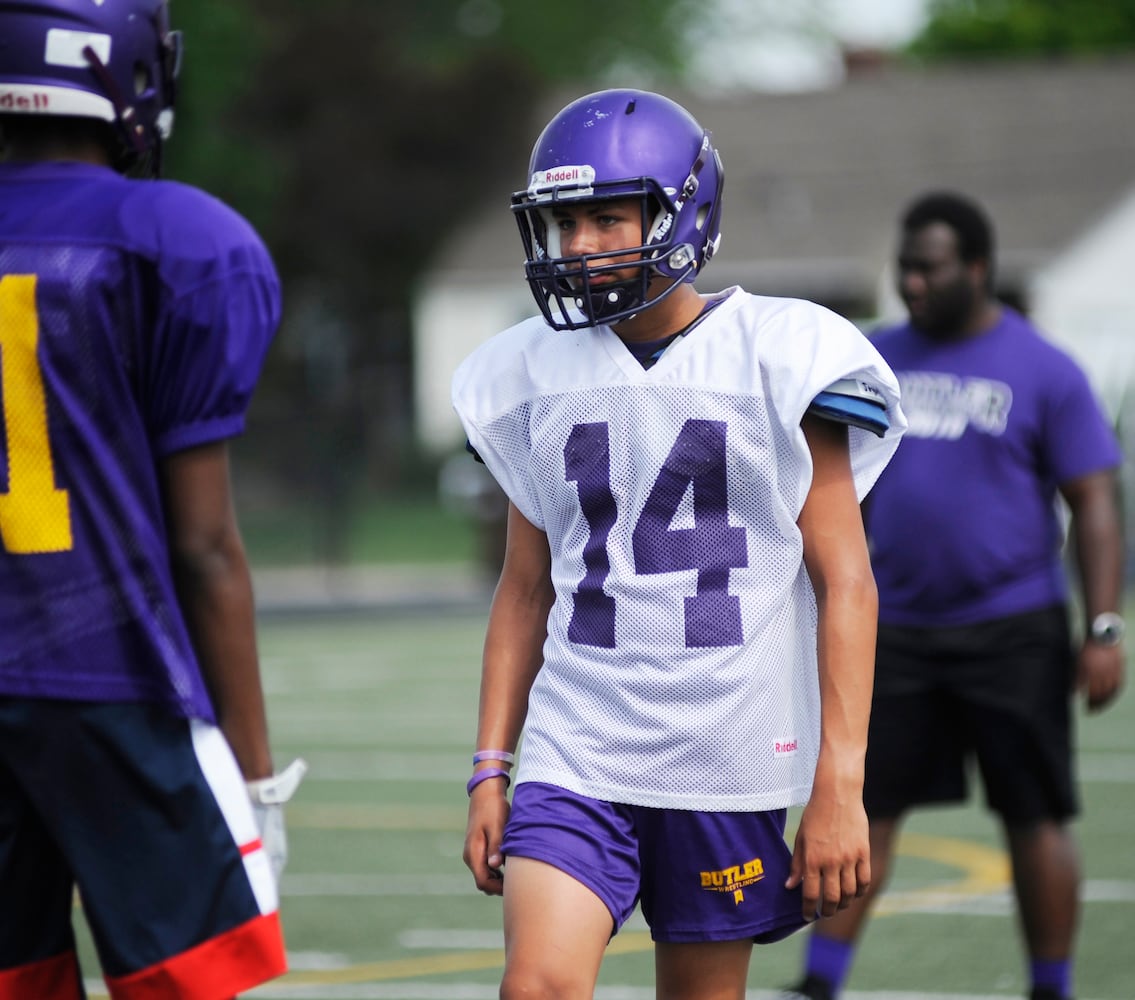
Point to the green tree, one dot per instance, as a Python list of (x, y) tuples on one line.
[(999, 28), (356, 134), (223, 48)]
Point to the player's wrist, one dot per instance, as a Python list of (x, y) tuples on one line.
[(502, 758), (497, 763), (484, 775), (278, 788), (1107, 629)]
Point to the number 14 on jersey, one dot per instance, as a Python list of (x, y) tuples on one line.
[(711, 547)]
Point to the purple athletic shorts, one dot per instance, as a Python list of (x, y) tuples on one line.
[(699, 876)]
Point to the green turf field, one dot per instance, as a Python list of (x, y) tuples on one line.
[(377, 904)]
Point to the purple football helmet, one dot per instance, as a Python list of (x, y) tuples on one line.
[(619, 144), (115, 61)]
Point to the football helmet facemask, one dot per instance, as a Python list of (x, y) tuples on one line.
[(618, 144), (116, 61)]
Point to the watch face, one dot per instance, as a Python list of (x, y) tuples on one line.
[(1108, 629)]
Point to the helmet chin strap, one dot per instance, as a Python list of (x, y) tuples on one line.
[(607, 300), (616, 297)]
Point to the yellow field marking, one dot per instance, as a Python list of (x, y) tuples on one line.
[(986, 871), (399, 968)]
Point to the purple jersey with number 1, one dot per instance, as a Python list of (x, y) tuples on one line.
[(964, 522), (134, 320)]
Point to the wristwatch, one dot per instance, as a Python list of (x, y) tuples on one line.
[(1108, 629)]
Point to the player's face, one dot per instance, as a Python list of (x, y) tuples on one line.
[(604, 228), (941, 291)]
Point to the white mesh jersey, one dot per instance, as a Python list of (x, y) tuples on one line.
[(680, 663)]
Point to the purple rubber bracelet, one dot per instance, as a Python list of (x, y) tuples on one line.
[(504, 755), (484, 774)]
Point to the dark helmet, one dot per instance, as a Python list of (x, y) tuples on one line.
[(115, 61)]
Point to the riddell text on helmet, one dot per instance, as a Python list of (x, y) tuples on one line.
[(561, 175), (10, 101), (576, 174)]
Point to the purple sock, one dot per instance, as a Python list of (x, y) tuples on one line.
[(1053, 975), (829, 959)]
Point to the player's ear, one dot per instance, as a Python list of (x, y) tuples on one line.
[(982, 273)]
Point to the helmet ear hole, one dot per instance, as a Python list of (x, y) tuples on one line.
[(141, 79)]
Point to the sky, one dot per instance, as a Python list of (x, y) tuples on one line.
[(767, 59), (878, 22)]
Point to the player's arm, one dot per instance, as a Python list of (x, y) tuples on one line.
[(831, 860), (1097, 533), (513, 654), (215, 590)]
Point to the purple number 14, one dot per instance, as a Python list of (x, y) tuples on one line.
[(711, 547)]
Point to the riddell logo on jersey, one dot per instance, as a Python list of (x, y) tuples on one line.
[(23, 102), (785, 748)]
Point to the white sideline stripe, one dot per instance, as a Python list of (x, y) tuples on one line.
[(317, 961), (472, 940), (1106, 768), (1108, 891), (469, 940), (999, 902), (377, 885), (361, 765)]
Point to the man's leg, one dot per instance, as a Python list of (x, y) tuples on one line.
[(1046, 880), (831, 943)]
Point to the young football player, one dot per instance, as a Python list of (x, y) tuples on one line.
[(134, 319), (684, 624)]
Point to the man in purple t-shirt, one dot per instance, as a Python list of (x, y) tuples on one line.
[(134, 319), (975, 659)]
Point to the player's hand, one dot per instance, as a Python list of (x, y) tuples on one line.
[(268, 796), (831, 860), (488, 811), (1099, 674)]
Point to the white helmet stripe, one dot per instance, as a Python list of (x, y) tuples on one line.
[(37, 99)]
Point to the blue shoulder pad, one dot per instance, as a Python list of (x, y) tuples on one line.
[(854, 403)]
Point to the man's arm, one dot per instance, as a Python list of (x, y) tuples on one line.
[(832, 859), (1097, 534), (214, 587), (513, 655)]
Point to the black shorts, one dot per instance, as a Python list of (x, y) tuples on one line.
[(998, 693)]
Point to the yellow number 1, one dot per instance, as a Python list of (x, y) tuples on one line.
[(34, 515)]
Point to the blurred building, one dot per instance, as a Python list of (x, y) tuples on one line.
[(814, 185)]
